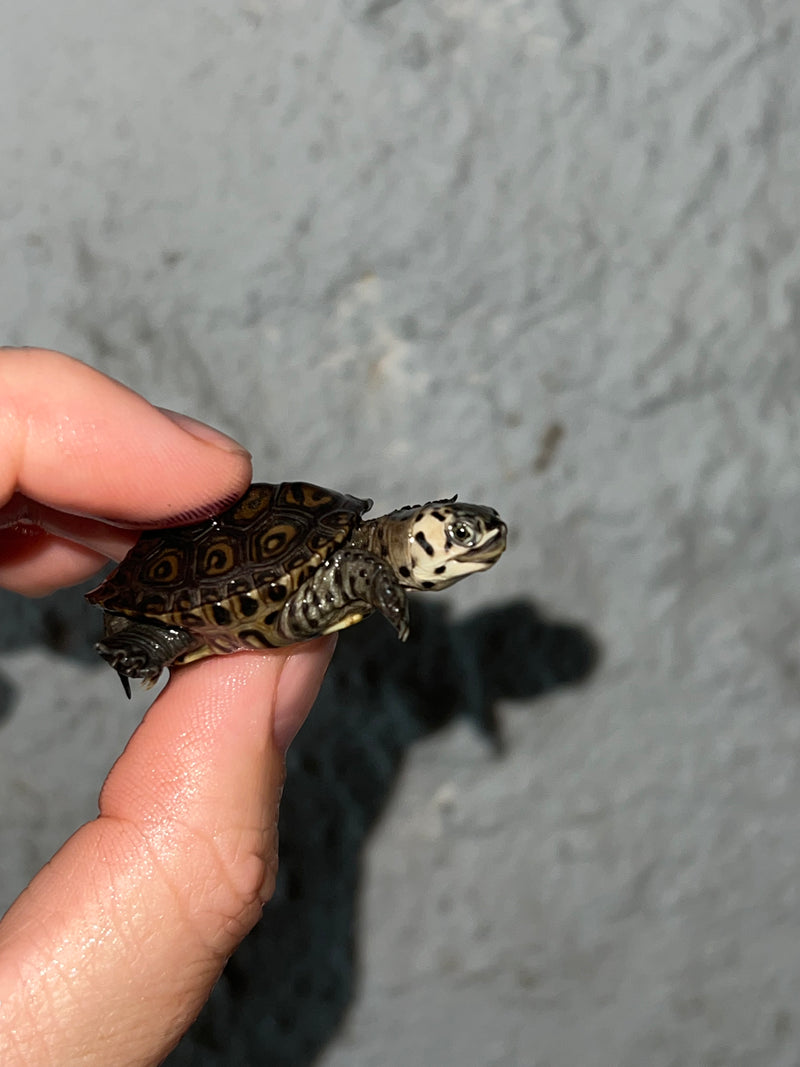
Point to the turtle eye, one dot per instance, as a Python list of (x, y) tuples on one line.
[(463, 533)]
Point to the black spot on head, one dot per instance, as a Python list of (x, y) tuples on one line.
[(428, 585), (423, 542), (270, 619), (276, 591), (404, 572), (248, 605), (438, 515), (222, 617), (440, 570)]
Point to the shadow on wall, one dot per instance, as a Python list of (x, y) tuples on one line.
[(286, 990), (63, 623)]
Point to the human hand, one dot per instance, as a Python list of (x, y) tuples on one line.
[(111, 951)]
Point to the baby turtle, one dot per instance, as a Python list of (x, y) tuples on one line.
[(285, 563)]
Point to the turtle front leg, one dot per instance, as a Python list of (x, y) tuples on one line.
[(138, 649), (349, 585)]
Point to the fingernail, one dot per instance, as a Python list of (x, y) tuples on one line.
[(299, 684), (205, 433)]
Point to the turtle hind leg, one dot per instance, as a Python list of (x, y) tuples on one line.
[(140, 649)]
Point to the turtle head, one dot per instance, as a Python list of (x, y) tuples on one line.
[(447, 541)]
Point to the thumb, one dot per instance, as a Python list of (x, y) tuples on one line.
[(112, 950)]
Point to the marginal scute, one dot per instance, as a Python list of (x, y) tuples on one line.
[(248, 605), (256, 501)]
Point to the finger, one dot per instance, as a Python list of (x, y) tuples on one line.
[(42, 549), (118, 941), (82, 443), (35, 563)]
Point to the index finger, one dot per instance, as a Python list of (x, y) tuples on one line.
[(80, 442)]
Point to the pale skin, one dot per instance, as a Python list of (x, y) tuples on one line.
[(111, 951)]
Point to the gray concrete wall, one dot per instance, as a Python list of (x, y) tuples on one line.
[(390, 246)]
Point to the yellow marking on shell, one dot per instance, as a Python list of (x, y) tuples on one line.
[(164, 569), (304, 495), (255, 501), (247, 641), (351, 620), (314, 497), (227, 637), (274, 540), (194, 654), (217, 558)]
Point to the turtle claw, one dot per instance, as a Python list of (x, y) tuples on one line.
[(141, 649)]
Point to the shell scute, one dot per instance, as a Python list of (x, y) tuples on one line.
[(256, 501)]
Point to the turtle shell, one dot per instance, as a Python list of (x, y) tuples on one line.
[(223, 572)]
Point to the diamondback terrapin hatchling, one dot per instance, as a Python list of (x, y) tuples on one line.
[(285, 563)]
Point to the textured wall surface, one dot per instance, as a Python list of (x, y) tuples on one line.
[(546, 254)]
